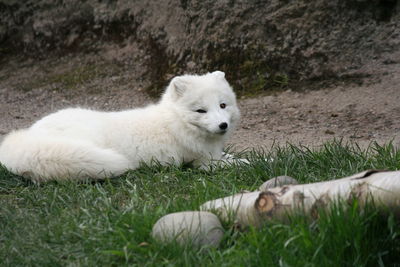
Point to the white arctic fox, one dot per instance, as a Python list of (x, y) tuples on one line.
[(191, 123)]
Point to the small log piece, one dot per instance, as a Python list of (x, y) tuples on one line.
[(254, 208)]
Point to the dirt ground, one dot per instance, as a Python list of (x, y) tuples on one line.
[(364, 112)]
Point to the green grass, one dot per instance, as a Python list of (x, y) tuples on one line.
[(109, 223)]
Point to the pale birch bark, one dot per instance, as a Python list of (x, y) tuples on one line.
[(254, 208)]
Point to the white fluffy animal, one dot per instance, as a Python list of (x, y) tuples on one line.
[(191, 123)]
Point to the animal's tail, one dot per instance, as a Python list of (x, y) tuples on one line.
[(42, 158)]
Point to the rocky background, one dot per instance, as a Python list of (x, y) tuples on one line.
[(306, 72), (261, 45)]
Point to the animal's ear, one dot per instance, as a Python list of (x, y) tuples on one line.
[(178, 86), (219, 74)]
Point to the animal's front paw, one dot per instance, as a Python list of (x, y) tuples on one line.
[(231, 159)]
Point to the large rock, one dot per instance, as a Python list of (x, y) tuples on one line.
[(259, 44), (197, 228)]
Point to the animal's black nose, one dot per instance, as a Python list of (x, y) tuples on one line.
[(223, 126)]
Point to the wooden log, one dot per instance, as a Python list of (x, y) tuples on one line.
[(254, 208), (194, 228), (277, 182)]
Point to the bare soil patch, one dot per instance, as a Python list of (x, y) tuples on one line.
[(361, 113)]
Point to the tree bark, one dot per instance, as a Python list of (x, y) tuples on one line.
[(382, 188)]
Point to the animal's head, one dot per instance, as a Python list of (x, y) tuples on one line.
[(206, 103)]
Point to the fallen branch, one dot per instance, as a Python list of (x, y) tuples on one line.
[(254, 208)]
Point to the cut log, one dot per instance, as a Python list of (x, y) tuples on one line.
[(254, 208), (189, 227), (277, 182)]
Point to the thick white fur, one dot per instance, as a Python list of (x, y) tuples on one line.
[(79, 143)]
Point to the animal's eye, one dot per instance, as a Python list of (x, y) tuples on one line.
[(222, 105), (201, 111)]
